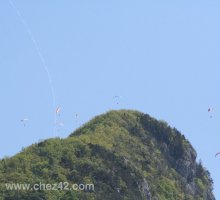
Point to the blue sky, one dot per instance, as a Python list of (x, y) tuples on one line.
[(163, 58)]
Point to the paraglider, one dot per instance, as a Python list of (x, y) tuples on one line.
[(76, 117), (58, 110), (210, 111), (59, 123), (116, 98), (24, 121), (217, 154)]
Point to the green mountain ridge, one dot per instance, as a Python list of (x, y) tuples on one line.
[(126, 154)]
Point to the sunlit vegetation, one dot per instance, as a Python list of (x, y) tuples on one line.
[(126, 155)]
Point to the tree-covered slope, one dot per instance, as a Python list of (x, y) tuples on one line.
[(126, 155)]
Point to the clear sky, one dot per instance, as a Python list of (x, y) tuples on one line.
[(162, 57)]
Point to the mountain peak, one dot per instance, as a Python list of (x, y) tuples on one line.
[(126, 154)]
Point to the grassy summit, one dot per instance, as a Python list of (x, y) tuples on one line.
[(126, 155)]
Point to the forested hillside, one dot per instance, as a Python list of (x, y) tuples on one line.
[(126, 154)]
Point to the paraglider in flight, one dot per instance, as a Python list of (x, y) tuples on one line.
[(58, 110), (76, 117), (210, 110), (217, 154), (24, 121), (117, 98)]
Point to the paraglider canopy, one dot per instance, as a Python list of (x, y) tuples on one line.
[(210, 109), (58, 110), (217, 154), (24, 120)]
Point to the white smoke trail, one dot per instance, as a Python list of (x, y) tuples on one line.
[(31, 35)]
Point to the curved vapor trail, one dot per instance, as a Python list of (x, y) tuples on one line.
[(31, 35)]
